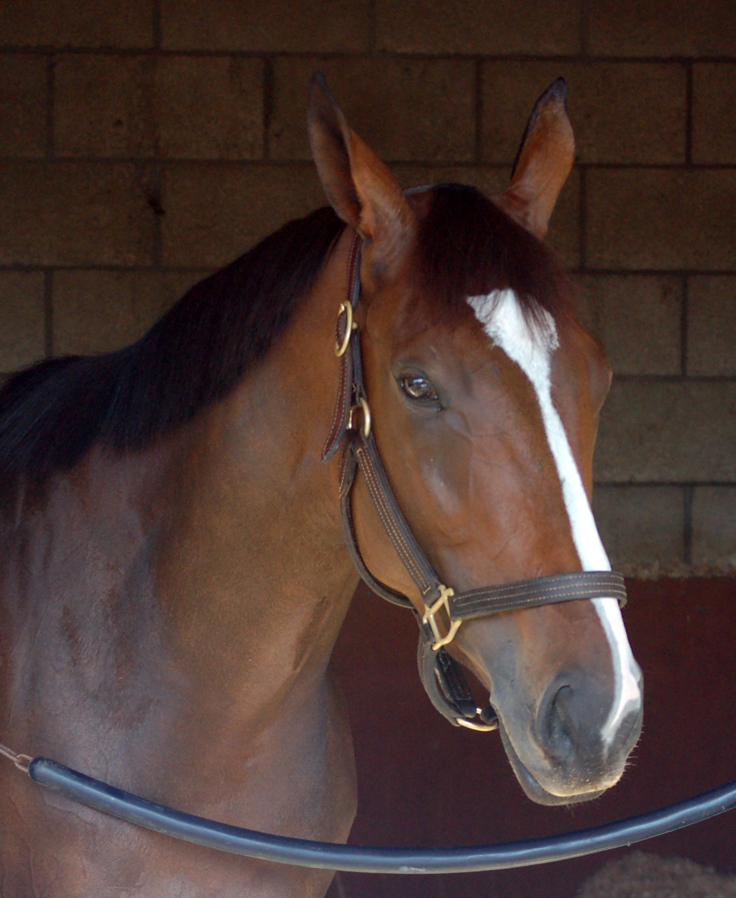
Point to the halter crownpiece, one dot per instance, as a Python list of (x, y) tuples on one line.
[(444, 609)]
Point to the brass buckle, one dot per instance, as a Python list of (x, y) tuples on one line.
[(364, 407), (342, 348), (429, 618)]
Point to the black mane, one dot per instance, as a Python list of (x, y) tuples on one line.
[(53, 412)]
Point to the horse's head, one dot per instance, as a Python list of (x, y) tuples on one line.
[(485, 394)]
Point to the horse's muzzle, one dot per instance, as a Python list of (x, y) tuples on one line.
[(573, 760)]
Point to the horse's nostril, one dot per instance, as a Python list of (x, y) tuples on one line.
[(570, 725), (557, 725)]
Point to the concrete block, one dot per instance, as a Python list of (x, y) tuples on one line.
[(714, 123), (175, 106), (83, 23), (670, 432), (210, 108), (650, 28), (621, 112), (711, 326), (67, 213), (280, 26), (100, 311), (23, 104), (103, 106), (661, 219), (409, 110), (544, 27), (21, 319), (564, 232), (638, 320), (215, 213), (641, 525), (714, 527)]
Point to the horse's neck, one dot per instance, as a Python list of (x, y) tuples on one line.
[(252, 569), (207, 572)]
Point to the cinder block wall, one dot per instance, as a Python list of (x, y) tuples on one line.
[(146, 142)]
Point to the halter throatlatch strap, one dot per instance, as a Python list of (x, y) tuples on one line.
[(344, 330), (444, 609)]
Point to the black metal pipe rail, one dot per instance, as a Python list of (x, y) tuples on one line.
[(358, 859)]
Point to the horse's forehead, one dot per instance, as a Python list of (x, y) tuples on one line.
[(529, 340)]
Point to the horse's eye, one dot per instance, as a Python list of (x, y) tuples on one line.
[(417, 386)]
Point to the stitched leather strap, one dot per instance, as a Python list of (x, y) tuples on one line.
[(349, 466), (392, 518), (345, 388), (539, 591)]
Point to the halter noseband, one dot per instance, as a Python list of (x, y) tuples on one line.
[(440, 674)]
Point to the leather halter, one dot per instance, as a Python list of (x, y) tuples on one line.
[(441, 676)]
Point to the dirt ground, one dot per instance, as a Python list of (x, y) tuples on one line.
[(642, 875)]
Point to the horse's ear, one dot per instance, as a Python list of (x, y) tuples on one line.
[(359, 186), (543, 162)]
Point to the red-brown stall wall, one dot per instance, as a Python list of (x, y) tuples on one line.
[(423, 782)]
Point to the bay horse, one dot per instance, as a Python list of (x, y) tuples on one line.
[(174, 567)]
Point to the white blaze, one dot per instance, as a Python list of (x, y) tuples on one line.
[(531, 346)]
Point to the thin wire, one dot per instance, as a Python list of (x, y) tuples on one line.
[(22, 762)]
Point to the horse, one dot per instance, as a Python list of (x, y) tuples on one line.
[(175, 570)]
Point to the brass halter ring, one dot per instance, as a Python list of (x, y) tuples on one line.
[(478, 727), (342, 348), (365, 408)]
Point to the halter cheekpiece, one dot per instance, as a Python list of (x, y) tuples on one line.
[(441, 675)]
